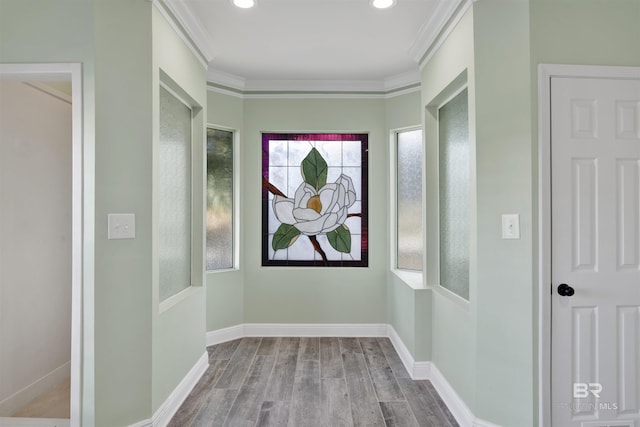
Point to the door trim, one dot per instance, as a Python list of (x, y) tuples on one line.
[(545, 73), (72, 72)]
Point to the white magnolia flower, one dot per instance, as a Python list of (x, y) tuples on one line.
[(317, 212)]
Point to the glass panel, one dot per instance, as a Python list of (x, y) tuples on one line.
[(453, 160), (351, 153), (219, 199), (314, 200), (409, 200), (331, 151), (174, 194)]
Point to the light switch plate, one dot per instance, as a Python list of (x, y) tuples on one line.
[(121, 226), (510, 226)]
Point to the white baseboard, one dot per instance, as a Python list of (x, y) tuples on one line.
[(223, 335), (421, 371), (296, 330), (429, 371), (454, 402), (167, 410), (34, 422), (37, 388), (315, 330), (417, 370)]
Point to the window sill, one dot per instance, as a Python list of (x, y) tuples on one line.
[(413, 279), (223, 270)]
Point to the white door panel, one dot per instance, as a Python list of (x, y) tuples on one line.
[(595, 176)]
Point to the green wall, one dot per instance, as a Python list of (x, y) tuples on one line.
[(403, 111), (310, 295), (295, 300), (254, 294), (453, 322), (485, 353), (123, 135), (133, 356), (588, 32), (504, 290), (408, 309), (179, 330), (225, 289), (142, 350), (30, 32)]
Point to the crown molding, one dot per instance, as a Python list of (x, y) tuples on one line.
[(226, 79), (400, 81), (431, 28), (229, 84), (447, 25), (312, 94), (327, 95), (389, 84), (314, 86), (189, 27)]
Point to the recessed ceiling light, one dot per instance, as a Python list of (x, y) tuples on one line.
[(382, 4), (244, 4)]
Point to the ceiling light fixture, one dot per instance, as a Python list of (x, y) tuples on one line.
[(382, 4), (244, 4)]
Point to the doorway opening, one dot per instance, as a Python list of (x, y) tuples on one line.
[(41, 229)]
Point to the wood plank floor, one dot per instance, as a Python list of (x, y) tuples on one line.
[(298, 382)]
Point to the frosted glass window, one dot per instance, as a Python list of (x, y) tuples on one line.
[(219, 199), (174, 195), (314, 200), (409, 199), (453, 125)]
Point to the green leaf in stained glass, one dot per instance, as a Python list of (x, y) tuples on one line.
[(285, 236), (340, 239), (314, 169)]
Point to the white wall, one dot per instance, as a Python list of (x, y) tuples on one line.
[(35, 242)]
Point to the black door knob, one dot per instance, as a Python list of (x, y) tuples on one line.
[(565, 290)]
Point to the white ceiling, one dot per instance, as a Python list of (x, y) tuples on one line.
[(313, 40)]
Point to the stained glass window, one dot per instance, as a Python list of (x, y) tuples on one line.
[(314, 200), (454, 161), (219, 199)]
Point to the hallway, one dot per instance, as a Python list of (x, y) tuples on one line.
[(310, 382)]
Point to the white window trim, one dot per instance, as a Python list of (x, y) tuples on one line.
[(172, 300), (197, 279), (446, 291), (235, 238), (431, 193), (412, 278)]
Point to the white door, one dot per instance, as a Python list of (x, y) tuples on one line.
[(595, 186)]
